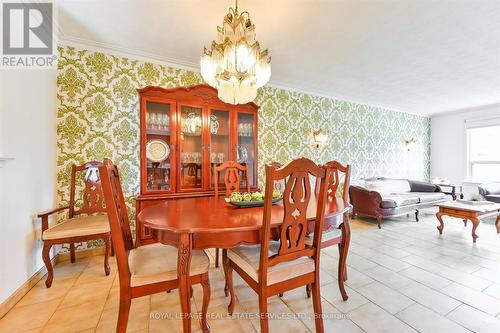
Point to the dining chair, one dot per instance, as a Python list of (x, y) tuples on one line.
[(339, 233), (273, 267), (87, 219), (232, 182), (147, 269)]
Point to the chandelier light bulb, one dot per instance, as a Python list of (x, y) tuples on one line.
[(234, 64)]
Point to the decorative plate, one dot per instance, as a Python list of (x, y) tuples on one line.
[(247, 204), (192, 124), (214, 124), (157, 150)]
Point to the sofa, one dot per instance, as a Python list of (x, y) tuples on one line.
[(490, 191), (381, 197)]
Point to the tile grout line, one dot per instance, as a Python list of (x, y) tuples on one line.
[(66, 293)]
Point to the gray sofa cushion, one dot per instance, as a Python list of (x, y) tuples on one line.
[(489, 188), (398, 200), (493, 197), (429, 196), (419, 186)]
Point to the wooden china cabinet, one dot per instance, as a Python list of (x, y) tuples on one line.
[(185, 132)]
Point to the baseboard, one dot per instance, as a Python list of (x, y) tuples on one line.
[(65, 256), (10, 302)]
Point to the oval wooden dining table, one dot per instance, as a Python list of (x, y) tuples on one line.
[(211, 222)]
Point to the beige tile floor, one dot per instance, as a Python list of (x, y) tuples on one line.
[(402, 278)]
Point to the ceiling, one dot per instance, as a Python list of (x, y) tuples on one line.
[(423, 57)]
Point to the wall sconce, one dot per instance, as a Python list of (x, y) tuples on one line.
[(409, 144), (319, 137)]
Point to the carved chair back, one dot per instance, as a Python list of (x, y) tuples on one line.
[(118, 217), (338, 182), (92, 200), (296, 199), (232, 179)]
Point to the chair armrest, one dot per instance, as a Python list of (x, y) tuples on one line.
[(51, 211), (365, 201), (45, 216)]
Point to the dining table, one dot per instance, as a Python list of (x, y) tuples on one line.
[(199, 223)]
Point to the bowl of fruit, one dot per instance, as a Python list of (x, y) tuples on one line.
[(251, 199)]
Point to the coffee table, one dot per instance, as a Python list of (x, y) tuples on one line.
[(465, 211)]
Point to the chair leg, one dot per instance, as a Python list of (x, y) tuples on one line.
[(112, 248), (48, 264), (72, 252), (205, 284), (264, 322), (107, 250), (225, 263), (379, 219), (318, 313), (228, 270), (416, 215), (217, 258), (344, 249), (123, 312)]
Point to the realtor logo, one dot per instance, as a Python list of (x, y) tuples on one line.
[(27, 35)]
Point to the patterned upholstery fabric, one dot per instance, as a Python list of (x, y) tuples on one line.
[(157, 262)]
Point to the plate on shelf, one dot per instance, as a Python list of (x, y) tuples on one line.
[(247, 204), (214, 124), (192, 124), (157, 150)]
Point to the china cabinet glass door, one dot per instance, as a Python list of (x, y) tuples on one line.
[(219, 142), (191, 148), (159, 160), (245, 149)]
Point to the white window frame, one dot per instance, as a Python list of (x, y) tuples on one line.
[(475, 124)]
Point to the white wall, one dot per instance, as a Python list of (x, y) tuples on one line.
[(27, 184), (448, 144)]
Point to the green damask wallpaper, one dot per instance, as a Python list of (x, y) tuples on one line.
[(98, 110)]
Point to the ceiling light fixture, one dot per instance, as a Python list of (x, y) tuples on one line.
[(235, 65)]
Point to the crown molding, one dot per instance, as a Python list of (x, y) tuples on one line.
[(127, 52), (465, 110), (136, 54), (319, 93)]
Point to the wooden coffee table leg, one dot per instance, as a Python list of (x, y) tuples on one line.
[(475, 224), (439, 216), (183, 265), (497, 224)]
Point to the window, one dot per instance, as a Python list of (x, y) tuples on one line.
[(483, 143)]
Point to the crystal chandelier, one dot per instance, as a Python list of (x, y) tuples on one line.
[(235, 65)]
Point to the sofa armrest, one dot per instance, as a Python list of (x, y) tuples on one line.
[(365, 201)]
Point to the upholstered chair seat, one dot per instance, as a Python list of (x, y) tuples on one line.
[(247, 257), (157, 262), (328, 235), (81, 225)]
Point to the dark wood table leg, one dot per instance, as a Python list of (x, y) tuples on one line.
[(475, 224), (183, 265), (439, 216)]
